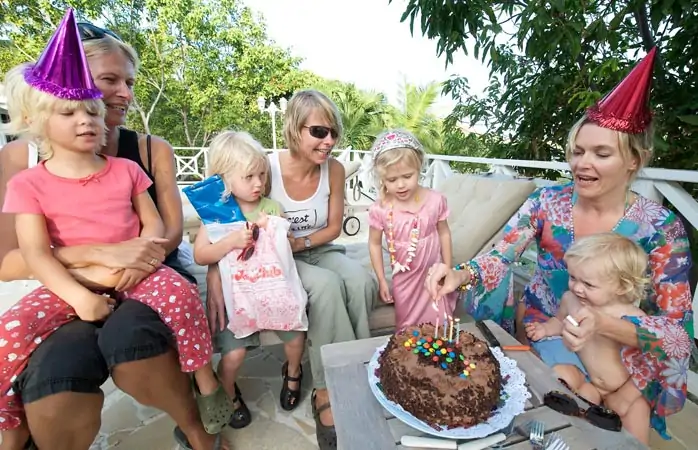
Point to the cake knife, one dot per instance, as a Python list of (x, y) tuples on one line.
[(426, 442), (494, 342)]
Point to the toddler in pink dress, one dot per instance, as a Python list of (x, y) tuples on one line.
[(413, 220)]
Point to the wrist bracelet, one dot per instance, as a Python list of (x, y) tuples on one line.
[(473, 276)]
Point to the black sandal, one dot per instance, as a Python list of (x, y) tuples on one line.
[(326, 435), (289, 398), (241, 415)]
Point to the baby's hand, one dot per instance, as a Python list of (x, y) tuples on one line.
[(385, 293), (536, 331)]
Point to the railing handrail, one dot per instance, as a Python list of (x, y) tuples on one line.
[(649, 173)]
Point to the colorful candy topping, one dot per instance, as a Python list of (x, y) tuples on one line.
[(439, 352)]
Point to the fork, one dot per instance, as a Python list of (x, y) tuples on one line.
[(555, 442), (536, 434)]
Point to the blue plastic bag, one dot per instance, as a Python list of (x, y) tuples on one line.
[(207, 199)]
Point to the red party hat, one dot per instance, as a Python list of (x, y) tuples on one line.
[(626, 107), (62, 69)]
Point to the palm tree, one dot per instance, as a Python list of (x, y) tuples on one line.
[(413, 113), (362, 112)]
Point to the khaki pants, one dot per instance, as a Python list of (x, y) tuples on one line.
[(341, 295)]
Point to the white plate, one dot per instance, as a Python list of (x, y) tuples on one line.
[(514, 392)]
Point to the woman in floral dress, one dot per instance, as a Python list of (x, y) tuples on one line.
[(605, 150)]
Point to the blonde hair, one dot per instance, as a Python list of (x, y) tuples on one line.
[(30, 110), (235, 152), (108, 45), (639, 146), (384, 159), (618, 258), (299, 109)]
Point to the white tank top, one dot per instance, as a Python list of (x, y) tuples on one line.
[(305, 216), (12, 291)]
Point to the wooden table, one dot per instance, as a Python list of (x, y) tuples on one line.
[(363, 424)]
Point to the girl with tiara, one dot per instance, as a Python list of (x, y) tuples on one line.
[(413, 220)]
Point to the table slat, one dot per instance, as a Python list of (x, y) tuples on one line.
[(361, 422)]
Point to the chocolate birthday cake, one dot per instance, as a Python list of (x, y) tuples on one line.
[(447, 384)]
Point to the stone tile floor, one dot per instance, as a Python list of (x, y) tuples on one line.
[(128, 425)]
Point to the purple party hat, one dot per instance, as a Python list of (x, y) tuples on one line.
[(62, 69)]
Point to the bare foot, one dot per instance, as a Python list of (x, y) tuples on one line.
[(205, 441), (322, 396)]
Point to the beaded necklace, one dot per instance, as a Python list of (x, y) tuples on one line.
[(573, 201), (411, 250)]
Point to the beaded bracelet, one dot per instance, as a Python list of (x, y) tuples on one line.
[(473, 276)]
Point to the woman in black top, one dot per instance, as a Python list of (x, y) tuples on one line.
[(132, 345)]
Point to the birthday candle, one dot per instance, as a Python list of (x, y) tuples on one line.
[(445, 324), (450, 330), (457, 319), (436, 321)]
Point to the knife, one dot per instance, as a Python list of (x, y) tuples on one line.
[(477, 444), (494, 342)]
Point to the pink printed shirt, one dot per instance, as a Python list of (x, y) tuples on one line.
[(97, 208)]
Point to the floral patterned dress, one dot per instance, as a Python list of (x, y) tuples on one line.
[(659, 365)]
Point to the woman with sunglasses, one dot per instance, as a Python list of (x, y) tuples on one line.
[(605, 149), (145, 364), (309, 185)]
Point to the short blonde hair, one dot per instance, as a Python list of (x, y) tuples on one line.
[(632, 146), (618, 258), (30, 110), (299, 109), (235, 152), (108, 45)]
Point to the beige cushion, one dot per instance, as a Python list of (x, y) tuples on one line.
[(480, 206)]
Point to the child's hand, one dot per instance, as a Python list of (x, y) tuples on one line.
[(384, 290), (536, 331), (130, 278), (239, 239), (94, 307)]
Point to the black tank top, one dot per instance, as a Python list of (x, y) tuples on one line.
[(128, 148)]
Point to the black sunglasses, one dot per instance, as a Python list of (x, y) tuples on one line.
[(320, 132), (596, 415), (89, 32)]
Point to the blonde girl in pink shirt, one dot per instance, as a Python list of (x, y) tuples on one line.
[(75, 196)]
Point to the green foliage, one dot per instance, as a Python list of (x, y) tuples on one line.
[(203, 63), (550, 60)]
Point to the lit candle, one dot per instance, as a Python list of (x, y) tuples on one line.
[(457, 319), (450, 330), (436, 321)]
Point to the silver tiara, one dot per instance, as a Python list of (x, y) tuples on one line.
[(395, 139)]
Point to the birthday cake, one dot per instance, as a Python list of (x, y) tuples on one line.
[(445, 383)]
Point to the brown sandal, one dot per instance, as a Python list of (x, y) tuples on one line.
[(326, 435)]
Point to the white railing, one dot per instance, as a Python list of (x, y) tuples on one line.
[(656, 184)]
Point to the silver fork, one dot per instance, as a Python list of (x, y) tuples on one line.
[(536, 434), (555, 442)]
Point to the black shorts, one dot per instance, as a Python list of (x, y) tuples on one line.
[(79, 356)]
